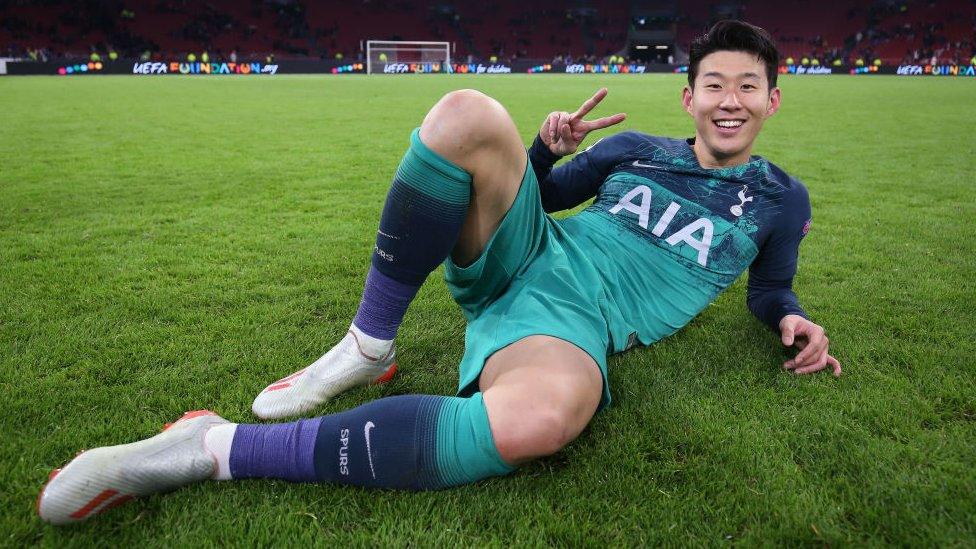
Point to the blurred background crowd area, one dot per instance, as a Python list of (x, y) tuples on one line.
[(809, 32)]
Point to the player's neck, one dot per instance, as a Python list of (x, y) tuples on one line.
[(709, 160)]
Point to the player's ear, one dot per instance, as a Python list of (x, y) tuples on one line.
[(774, 100), (686, 96)]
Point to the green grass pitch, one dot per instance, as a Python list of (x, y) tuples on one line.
[(177, 243)]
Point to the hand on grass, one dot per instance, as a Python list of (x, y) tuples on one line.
[(563, 131), (811, 340)]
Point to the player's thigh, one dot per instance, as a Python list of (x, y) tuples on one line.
[(475, 132), (540, 393)]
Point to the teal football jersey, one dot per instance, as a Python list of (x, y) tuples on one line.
[(668, 236)]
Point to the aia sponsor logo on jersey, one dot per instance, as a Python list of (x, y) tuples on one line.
[(638, 202)]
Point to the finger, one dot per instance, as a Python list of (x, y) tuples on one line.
[(800, 343), (811, 369), (787, 335), (835, 364), (815, 341), (588, 105), (551, 124), (815, 347), (566, 134), (819, 364), (604, 122), (562, 119)]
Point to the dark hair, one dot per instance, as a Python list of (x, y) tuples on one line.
[(733, 35)]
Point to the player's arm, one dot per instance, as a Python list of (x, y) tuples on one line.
[(770, 294), (561, 134)]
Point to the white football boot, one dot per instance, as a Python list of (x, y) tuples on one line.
[(101, 479), (356, 360)]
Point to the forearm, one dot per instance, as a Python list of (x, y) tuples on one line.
[(542, 160), (771, 305), (572, 183)]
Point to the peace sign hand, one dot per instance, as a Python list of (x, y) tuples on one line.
[(562, 132)]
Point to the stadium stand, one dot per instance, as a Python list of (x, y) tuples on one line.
[(893, 31)]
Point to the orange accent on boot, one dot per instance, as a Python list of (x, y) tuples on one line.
[(101, 498), (292, 376), (284, 382), (387, 375), (115, 503), (190, 415)]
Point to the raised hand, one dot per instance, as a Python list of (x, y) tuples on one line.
[(811, 340), (563, 132)]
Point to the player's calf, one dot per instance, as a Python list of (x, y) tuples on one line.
[(414, 442), (424, 211), (474, 131)]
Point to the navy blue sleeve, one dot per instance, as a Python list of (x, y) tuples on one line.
[(574, 182), (770, 291)]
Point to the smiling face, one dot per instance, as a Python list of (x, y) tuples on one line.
[(730, 101)]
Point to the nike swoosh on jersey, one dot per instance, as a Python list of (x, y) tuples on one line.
[(637, 164)]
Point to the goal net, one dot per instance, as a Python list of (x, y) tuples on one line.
[(402, 56)]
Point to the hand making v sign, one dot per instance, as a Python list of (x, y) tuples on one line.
[(562, 132)]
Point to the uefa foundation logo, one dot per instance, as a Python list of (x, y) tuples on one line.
[(216, 67)]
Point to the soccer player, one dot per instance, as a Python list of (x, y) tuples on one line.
[(673, 224)]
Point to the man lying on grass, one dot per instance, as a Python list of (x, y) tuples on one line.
[(674, 223)]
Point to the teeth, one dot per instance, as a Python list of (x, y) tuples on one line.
[(729, 123)]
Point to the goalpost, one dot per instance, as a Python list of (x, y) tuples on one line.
[(380, 53)]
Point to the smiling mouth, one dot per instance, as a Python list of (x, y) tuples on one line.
[(729, 124)]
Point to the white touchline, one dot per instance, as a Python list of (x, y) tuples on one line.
[(369, 453)]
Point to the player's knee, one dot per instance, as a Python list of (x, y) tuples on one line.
[(465, 103), (536, 434), (465, 120)]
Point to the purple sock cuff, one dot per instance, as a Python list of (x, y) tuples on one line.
[(384, 303), (284, 451)]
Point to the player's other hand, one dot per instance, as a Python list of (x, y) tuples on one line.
[(564, 131), (811, 340)]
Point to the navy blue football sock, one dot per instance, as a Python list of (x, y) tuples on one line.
[(420, 224), (414, 442)]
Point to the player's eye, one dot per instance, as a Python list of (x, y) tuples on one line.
[(748, 87), (713, 86)]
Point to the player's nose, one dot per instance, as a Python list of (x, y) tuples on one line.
[(730, 101)]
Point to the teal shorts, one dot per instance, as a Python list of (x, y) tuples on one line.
[(531, 279)]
